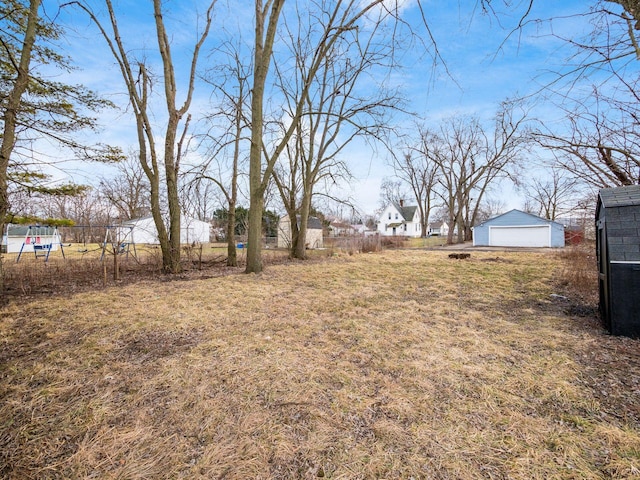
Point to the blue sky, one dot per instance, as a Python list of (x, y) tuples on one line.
[(483, 66), (485, 63)]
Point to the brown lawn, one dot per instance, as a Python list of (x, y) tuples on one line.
[(402, 364)]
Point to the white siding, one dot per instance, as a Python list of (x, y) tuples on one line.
[(144, 230), (14, 244), (406, 228), (314, 238)]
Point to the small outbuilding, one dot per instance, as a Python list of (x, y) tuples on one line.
[(144, 231), (438, 229), (26, 238), (314, 232), (618, 253), (518, 229)]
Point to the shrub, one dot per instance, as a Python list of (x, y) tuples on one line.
[(579, 272)]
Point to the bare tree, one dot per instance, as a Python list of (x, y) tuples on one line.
[(128, 191), (267, 15), (392, 191), (199, 198), (421, 174), (553, 196), (491, 206), (600, 143), (138, 80), (338, 19), (223, 142), (89, 211), (470, 160), (332, 107), (596, 92)]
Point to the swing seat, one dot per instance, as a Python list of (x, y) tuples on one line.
[(41, 250)]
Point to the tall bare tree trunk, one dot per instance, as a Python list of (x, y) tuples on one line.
[(171, 254), (138, 86), (263, 50), (10, 115), (301, 246), (232, 257)]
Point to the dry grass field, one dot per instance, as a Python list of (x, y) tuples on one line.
[(400, 364)]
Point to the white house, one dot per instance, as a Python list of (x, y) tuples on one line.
[(341, 229), (400, 220), (143, 231), (359, 229), (25, 237), (438, 229), (518, 229), (314, 232)]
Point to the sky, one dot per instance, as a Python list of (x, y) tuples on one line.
[(484, 65), (482, 62)]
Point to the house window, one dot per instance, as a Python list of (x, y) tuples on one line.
[(396, 216), (389, 215), (405, 227)]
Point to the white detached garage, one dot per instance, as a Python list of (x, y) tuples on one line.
[(518, 229)]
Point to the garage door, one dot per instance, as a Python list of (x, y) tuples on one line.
[(538, 236)]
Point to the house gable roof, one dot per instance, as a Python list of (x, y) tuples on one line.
[(338, 224), (313, 223), (407, 212), (515, 217)]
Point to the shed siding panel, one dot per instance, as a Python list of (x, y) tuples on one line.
[(314, 238), (624, 308), (622, 232), (618, 218)]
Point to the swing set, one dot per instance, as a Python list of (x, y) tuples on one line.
[(119, 241), (44, 239), (41, 239)]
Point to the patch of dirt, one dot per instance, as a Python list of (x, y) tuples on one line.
[(608, 371), (496, 260), (151, 345)]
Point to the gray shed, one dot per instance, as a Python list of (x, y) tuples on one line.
[(518, 229), (618, 252)]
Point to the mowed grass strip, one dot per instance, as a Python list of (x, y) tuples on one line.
[(403, 364)]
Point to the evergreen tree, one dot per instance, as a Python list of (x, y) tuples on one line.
[(35, 108)]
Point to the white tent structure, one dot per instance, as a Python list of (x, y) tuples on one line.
[(143, 231)]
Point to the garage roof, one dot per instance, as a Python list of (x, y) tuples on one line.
[(516, 218)]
